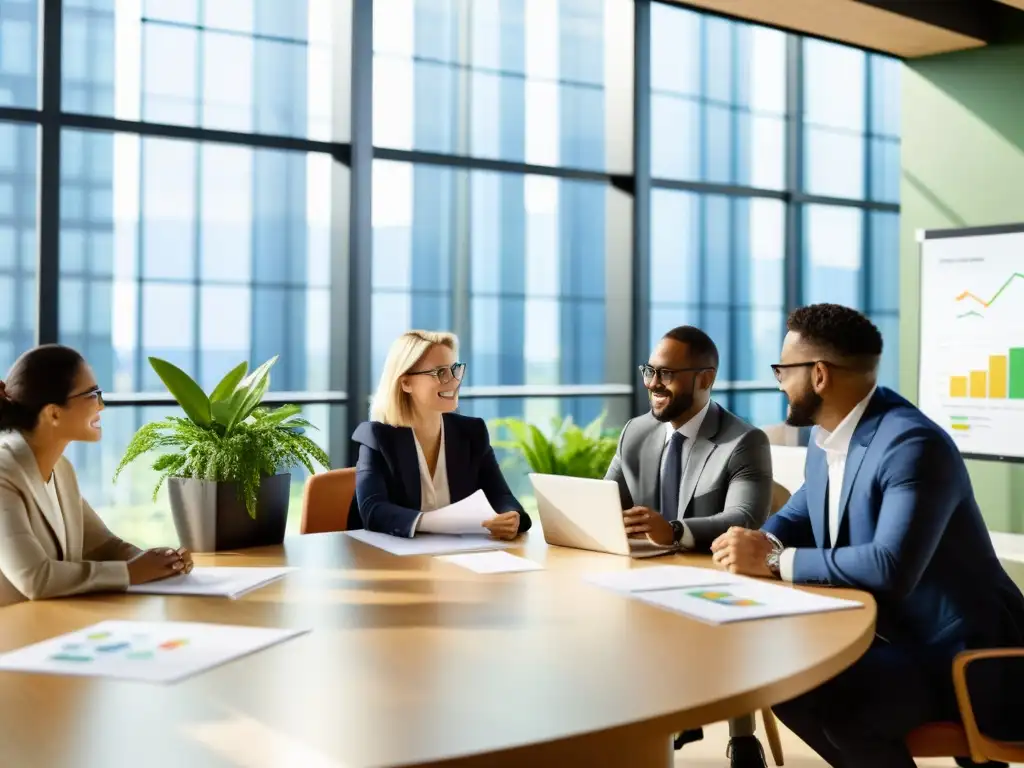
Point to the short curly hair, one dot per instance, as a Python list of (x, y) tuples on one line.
[(837, 329)]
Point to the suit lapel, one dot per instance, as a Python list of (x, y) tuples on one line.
[(699, 453), (456, 458), (30, 469), (407, 463), (72, 529), (816, 483), (862, 436), (650, 468)]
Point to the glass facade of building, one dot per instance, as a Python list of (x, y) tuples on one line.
[(202, 150)]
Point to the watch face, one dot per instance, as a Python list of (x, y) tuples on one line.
[(677, 530)]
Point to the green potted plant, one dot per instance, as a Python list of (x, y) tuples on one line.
[(226, 460), (570, 450)]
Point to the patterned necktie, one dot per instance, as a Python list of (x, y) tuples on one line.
[(671, 477)]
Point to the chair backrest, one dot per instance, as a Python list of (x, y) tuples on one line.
[(326, 501), (780, 495), (788, 466)]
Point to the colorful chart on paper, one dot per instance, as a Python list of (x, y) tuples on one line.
[(725, 598), (742, 600), (159, 652)]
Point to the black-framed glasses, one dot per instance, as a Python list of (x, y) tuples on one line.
[(443, 373), (95, 392), (778, 368), (649, 372)]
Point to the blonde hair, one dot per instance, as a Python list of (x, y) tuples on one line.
[(391, 404)]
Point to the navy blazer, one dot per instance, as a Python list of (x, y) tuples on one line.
[(388, 474), (910, 533)]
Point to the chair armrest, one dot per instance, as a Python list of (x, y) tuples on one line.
[(975, 740)]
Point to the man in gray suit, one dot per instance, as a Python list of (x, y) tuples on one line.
[(689, 470)]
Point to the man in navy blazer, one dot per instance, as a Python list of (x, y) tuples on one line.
[(387, 495), (886, 507)]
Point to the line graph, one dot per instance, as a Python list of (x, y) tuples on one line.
[(986, 304)]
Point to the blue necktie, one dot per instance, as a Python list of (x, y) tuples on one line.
[(671, 476)]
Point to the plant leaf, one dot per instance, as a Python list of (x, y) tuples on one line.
[(255, 386), (282, 413), (222, 411), (183, 388), (229, 383)]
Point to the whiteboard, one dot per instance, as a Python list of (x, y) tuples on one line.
[(971, 367)]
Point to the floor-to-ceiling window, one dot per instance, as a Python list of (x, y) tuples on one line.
[(775, 165), (498, 130), (175, 180)]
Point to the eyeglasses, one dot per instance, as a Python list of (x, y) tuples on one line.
[(648, 372), (778, 368), (95, 392), (444, 373)]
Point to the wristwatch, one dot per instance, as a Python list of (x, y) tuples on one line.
[(772, 559), (678, 529)]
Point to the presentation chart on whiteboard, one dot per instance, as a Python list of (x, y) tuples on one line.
[(971, 375)]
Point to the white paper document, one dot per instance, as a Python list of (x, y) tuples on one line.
[(213, 582), (662, 577), (429, 543), (144, 651), (742, 601), (492, 562), (462, 517)]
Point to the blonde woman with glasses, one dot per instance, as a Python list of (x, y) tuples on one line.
[(416, 454)]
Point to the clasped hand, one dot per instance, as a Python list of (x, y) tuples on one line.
[(159, 563), (742, 551), (641, 522), (504, 526)]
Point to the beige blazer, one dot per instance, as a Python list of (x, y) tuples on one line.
[(33, 565)]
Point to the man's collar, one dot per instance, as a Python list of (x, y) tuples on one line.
[(690, 429), (838, 441)]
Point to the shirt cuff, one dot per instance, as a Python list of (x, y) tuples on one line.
[(687, 542), (786, 558), (415, 525)]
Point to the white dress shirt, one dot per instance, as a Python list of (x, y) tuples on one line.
[(688, 430), (836, 446), (58, 519), (434, 492)]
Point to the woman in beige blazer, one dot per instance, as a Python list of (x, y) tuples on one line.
[(52, 543)]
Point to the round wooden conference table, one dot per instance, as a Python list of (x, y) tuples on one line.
[(415, 661)]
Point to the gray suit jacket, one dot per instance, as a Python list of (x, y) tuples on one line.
[(727, 480), (33, 565)]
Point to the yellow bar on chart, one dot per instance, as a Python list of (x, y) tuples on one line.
[(998, 375), (958, 386), (979, 382)]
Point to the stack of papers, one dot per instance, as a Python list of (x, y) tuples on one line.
[(213, 582), (429, 543), (492, 562), (462, 517), (714, 596), (661, 577), (742, 602)]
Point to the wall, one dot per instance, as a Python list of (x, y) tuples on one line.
[(963, 165)]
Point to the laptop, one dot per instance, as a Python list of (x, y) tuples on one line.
[(582, 513)]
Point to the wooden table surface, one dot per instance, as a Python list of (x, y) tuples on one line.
[(415, 661)]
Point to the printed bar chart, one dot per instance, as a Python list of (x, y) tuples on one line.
[(1003, 379), (1017, 374), (998, 376), (979, 381)]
